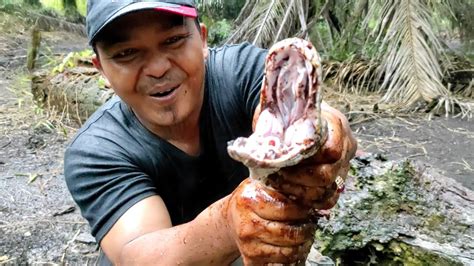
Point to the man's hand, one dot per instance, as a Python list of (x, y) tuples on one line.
[(312, 181), (271, 222), (267, 226)]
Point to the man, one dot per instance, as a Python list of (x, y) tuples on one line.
[(150, 170)]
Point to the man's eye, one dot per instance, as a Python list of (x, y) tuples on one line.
[(174, 39), (124, 53)]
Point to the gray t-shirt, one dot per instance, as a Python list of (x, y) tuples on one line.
[(114, 161)]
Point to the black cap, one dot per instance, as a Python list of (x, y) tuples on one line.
[(101, 12)]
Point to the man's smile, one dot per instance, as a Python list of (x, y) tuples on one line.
[(164, 93)]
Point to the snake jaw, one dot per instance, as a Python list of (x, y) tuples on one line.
[(289, 127)]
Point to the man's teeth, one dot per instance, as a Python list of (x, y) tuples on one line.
[(164, 93)]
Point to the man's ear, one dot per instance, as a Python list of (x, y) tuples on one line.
[(98, 65), (204, 39)]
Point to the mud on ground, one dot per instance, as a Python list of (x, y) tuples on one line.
[(445, 144), (39, 222)]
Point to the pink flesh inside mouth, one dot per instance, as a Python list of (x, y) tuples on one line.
[(289, 127)]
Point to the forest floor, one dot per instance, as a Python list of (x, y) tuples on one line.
[(40, 223)]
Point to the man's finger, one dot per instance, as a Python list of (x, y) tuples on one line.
[(257, 253), (302, 194), (317, 175), (327, 203), (275, 233), (269, 204), (331, 150)]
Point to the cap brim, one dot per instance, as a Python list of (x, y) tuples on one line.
[(185, 11), (180, 10)]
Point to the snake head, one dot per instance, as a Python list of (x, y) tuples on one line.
[(289, 127)]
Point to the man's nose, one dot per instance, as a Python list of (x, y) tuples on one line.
[(157, 65)]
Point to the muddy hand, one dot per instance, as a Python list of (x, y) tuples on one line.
[(312, 181), (268, 227)]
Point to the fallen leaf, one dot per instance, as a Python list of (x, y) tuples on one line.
[(33, 177), (66, 210)]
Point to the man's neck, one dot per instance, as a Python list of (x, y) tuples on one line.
[(185, 136)]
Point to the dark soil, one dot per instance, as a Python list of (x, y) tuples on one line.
[(446, 144), (39, 222)]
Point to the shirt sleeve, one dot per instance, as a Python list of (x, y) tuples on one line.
[(241, 67), (248, 75), (103, 181)]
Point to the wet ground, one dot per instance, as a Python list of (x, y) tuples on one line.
[(39, 222), (446, 144)]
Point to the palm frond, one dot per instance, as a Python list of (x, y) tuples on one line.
[(264, 21), (458, 76), (354, 74), (269, 21), (204, 5), (245, 11), (409, 52)]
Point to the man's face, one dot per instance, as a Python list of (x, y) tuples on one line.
[(155, 63)]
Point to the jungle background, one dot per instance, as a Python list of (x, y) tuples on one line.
[(401, 70)]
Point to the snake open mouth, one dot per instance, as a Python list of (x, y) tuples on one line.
[(289, 127)]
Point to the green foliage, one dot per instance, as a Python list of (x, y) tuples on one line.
[(220, 9), (81, 7), (218, 31), (217, 15), (71, 60), (71, 10), (74, 10), (33, 2), (321, 38)]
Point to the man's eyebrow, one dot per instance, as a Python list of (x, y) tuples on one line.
[(111, 36)]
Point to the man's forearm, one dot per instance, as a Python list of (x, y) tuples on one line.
[(203, 241)]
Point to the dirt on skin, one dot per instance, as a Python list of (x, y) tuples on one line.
[(39, 222)]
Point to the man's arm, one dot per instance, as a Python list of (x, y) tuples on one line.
[(144, 235), (251, 220), (261, 223)]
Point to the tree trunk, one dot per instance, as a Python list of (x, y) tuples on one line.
[(70, 4), (70, 9), (34, 47), (351, 27), (399, 214), (75, 92)]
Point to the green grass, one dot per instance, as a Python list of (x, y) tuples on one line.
[(56, 5)]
